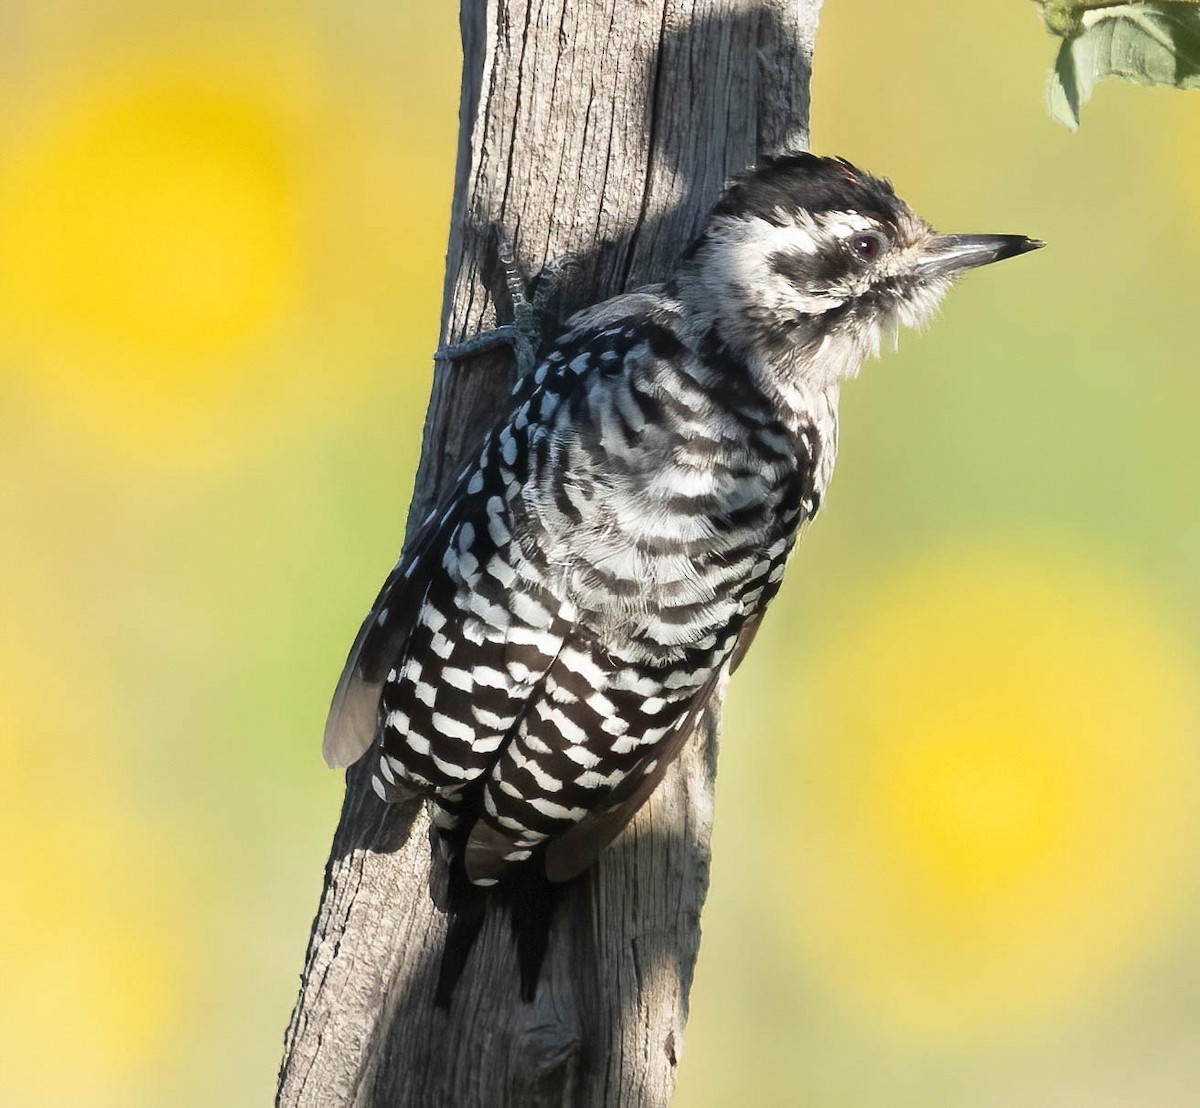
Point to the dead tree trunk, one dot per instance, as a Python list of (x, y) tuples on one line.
[(604, 129)]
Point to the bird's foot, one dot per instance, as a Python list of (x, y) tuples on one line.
[(530, 307)]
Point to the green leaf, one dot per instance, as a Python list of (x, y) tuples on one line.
[(1152, 43)]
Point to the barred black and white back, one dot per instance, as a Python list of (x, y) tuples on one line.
[(587, 579), (542, 649)]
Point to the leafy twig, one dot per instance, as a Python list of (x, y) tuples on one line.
[(1148, 42)]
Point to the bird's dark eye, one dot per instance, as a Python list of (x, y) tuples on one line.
[(868, 245)]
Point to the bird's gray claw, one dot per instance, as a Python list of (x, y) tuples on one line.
[(549, 282), (530, 307), (505, 335)]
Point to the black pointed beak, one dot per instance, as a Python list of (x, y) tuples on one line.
[(948, 255)]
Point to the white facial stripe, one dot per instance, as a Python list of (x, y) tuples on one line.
[(795, 238), (844, 224)]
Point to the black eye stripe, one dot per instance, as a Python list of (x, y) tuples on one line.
[(809, 270)]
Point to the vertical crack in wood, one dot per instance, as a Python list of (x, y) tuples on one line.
[(656, 113)]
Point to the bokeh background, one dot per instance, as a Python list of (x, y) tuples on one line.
[(956, 845)]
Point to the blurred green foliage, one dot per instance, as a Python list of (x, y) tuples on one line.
[(1150, 42), (956, 851)]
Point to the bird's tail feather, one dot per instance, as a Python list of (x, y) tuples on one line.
[(468, 906), (530, 899)]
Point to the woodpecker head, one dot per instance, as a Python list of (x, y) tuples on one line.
[(811, 263)]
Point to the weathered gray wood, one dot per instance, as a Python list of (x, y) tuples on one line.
[(602, 128)]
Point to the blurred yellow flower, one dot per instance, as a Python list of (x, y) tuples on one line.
[(151, 235), (201, 242), (997, 796), (155, 217)]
